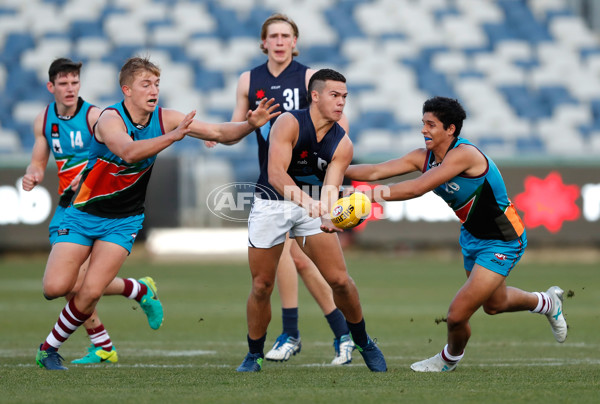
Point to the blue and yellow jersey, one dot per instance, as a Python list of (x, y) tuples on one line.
[(481, 203), (309, 158), (111, 187), (69, 138)]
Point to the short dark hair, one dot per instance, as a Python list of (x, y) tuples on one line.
[(318, 79), (63, 66), (448, 111)]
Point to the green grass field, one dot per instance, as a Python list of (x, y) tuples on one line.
[(192, 358)]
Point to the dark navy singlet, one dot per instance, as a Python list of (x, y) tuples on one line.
[(309, 158), (289, 91)]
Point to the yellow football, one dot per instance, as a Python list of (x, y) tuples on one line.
[(351, 210)]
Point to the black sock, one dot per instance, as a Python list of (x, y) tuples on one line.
[(257, 345), (359, 333)]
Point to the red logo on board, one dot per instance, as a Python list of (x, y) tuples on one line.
[(548, 202)]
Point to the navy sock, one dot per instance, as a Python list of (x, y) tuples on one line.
[(337, 322), (289, 318), (257, 345), (359, 333)]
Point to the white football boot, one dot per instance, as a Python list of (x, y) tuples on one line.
[(283, 349), (343, 350), (433, 364), (555, 316)]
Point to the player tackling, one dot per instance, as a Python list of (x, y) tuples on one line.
[(492, 235)]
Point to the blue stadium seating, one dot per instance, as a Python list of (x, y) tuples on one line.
[(535, 89)]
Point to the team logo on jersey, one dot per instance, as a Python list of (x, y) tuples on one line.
[(260, 94), (56, 146), (304, 154), (54, 130), (501, 257)]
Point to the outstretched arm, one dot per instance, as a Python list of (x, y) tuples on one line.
[(463, 159), (226, 132), (241, 105), (112, 131), (408, 163)]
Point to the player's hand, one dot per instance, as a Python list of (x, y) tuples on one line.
[(29, 181), (184, 126), (315, 208), (263, 113), (327, 225), (210, 143)]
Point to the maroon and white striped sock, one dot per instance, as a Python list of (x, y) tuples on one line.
[(100, 338), (544, 303), (69, 321), (451, 359), (134, 289)]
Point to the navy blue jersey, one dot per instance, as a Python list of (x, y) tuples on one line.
[(309, 158), (289, 91)]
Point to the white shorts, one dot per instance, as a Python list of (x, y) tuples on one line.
[(271, 220)]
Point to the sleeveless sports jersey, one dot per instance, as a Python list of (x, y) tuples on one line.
[(111, 187), (309, 158), (481, 203), (289, 91), (69, 139)]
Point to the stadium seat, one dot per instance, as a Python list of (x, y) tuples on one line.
[(515, 64)]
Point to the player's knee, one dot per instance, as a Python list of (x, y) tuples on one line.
[(339, 284), (52, 291), (455, 320), (262, 287), (492, 309), (301, 263)]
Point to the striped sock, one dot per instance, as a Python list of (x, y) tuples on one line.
[(451, 359), (100, 338), (69, 321), (134, 289), (544, 303)]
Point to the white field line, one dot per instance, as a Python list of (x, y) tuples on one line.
[(310, 365)]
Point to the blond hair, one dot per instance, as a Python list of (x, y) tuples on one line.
[(274, 18), (134, 66)]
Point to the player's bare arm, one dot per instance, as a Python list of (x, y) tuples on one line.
[(241, 106), (408, 163), (34, 174), (228, 132), (112, 131), (461, 160), (282, 140), (333, 181)]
